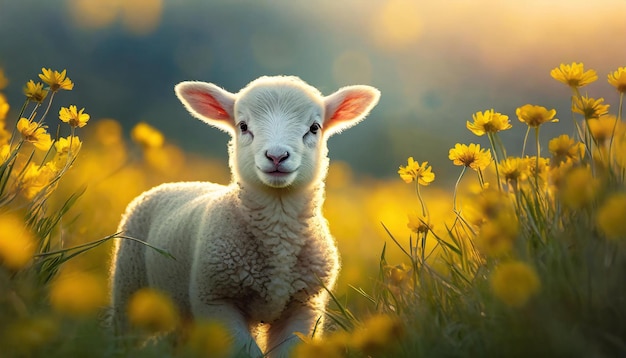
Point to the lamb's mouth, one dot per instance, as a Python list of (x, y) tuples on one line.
[(277, 172)]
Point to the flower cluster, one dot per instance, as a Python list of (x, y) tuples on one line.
[(30, 177), (503, 222), (377, 333), (422, 173)]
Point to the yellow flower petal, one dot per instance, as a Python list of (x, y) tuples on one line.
[(35, 92), (17, 244), (73, 116), (147, 136), (534, 116), (152, 311), (78, 294), (514, 283), (488, 122), (617, 79), (34, 133), (56, 80), (573, 75), (610, 217), (470, 156), (414, 171)]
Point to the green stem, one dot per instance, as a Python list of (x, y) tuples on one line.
[(481, 178), (619, 118), (47, 109), (18, 118), (419, 197), (538, 155), (495, 155), (456, 187), (525, 140)]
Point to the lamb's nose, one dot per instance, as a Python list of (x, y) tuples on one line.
[(278, 157)]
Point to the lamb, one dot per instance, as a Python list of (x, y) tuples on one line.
[(257, 251)]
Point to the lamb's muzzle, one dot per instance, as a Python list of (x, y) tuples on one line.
[(257, 250), (276, 155)]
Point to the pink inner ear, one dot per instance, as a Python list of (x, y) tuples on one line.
[(351, 107), (207, 105)]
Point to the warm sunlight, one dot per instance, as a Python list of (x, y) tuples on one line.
[(471, 203)]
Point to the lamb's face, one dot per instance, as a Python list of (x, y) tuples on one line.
[(278, 136), (279, 125)]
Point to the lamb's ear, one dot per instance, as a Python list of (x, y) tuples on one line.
[(208, 103), (348, 106)]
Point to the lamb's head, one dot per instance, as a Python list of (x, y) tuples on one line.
[(279, 125)]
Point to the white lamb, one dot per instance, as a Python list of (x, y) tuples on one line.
[(258, 250)]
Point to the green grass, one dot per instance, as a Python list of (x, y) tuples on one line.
[(440, 298)]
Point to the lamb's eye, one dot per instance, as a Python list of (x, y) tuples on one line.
[(243, 126), (315, 128)]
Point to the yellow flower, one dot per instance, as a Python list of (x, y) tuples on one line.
[(108, 132), (56, 80), (3, 80), (573, 75), (497, 236), (73, 116), (147, 136), (514, 283), (36, 178), (590, 107), (209, 339), (531, 165), (4, 107), (17, 244), (377, 333), (558, 172), (398, 275), (470, 156), (564, 147), (512, 169), (493, 212), (334, 345), (4, 136), (68, 145), (414, 171), (534, 116), (78, 294), (617, 79), (579, 188), (610, 217), (5, 153), (602, 128), (35, 92), (34, 133), (418, 224), (152, 311), (66, 150), (489, 205), (488, 122)]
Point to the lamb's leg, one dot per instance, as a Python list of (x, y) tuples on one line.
[(129, 275), (297, 318), (233, 320)]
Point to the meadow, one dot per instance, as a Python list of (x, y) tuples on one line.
[(524, 256)]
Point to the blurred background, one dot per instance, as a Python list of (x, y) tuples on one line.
[(436, 63)]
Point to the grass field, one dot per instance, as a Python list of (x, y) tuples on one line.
[(524, 256)]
